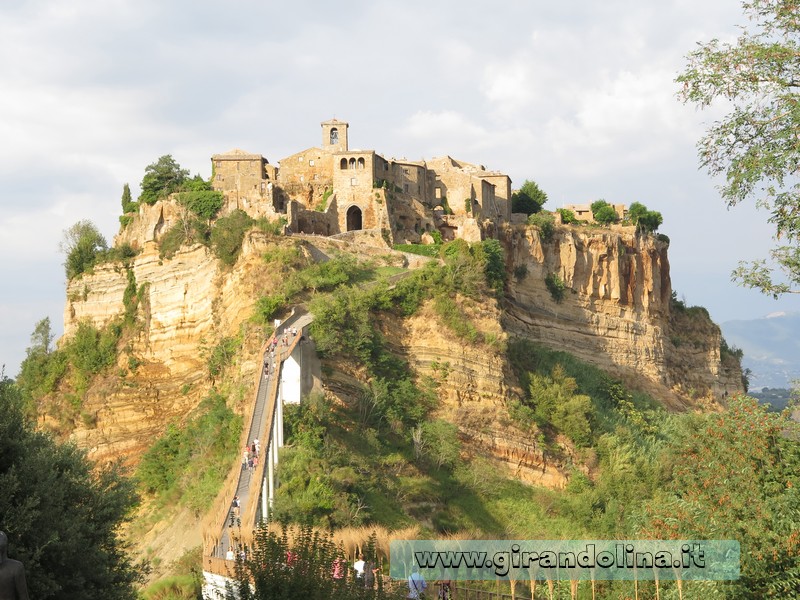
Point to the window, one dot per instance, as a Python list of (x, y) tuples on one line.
[(352, 163), (334, 139), (438, 193), (361, 162), (353, 181), (299, 159), (311, 162), (406, 188), (302, 178), (405, 171), (343, 164)]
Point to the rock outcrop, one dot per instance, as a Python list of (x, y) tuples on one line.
[(605, 296)]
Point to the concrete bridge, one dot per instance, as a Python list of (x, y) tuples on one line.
[(283, 378)]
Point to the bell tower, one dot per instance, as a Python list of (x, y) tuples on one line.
[(334, 136)]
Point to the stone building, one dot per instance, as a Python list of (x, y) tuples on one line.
[(332, 189), (583, 212)]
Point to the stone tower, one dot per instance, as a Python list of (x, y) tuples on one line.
[(334, 136)]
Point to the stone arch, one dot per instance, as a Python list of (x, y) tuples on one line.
[(361, 162), (352, 163), (354, 218), (334, 136), (343, 164)]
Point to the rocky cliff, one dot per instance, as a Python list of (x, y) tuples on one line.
[(605, 296), (614, 311)]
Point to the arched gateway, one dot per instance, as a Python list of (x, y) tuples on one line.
[(354, 222)]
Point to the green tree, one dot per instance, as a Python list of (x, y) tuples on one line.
[(528, 199), (635, 211), (754, 147), (82, 243), (734, 475), (128, 205), (161, 178), (650, 221), (61, 512), (605, 214)]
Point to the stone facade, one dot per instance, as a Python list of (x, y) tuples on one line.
[(583, 212), (332, 189)]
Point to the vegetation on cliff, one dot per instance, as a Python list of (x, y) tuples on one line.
[(62, 513)]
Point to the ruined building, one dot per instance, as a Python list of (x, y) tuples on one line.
[(333, 189)]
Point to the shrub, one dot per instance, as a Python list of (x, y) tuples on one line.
[(545, 223), (494, 264), (268, 306), (222, 355), (520, 272), (555, 285), (272, 227), (204, 203), (190, 461), (431, 250), (125, 220), (227, 235), (567, 216), (605, 215), (82, 243)]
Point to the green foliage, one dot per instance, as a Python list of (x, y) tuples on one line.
[(221, 356), (189, 462), (733, 351), (605, 215), (567, 216), (125, 220), (556, 286), (439, 443), (454, 319), (161, 178), (130, 298), (645, 220), (272, 227), (545, 223), (468, 205), (734, 475), (267, 307), (128, 205), (597, 205), (204, 203), (556, 401), (520, 272), (83, 244), (227, 235), (491, 253), (61, 512), (754, 146), (196, 184), (323, 203), (528, 199), (266, 575), (431, 250)]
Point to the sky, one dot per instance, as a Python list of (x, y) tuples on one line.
[(579, 96)]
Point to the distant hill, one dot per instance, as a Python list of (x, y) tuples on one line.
[(771, 348)]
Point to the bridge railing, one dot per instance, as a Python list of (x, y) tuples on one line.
[(221, 507), (216, 519)]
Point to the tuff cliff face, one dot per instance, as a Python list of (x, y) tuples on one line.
[(186, 305), (608, 302), (615, 313)]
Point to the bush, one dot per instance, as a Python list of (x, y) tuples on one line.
[(555, 285), (567, 216), (545, 223), (190, 461), (222, 355), (272, 227), (82, 243), (606, 215), (494, 264), (227, 235), (204, 203)]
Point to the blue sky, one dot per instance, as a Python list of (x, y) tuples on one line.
[(578, 96)]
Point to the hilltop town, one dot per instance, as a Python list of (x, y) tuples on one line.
[(333, 189)]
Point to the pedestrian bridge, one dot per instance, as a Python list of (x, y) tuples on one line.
[(284, 375)]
